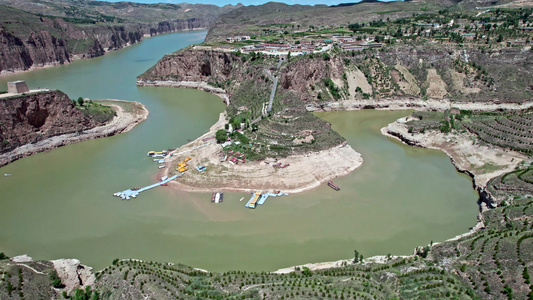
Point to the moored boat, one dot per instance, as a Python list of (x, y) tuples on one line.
[(333, 186)]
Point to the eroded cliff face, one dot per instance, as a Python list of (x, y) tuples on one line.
[(31, 118), (55, 41), (426, 72), (196, 65)]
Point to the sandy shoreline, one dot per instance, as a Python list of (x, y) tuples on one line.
[(466, 155), (123, 121), (413, 103), (300, 176)]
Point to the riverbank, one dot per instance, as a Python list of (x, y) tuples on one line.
[(128, 114), (479, 161), (301, 175), (414, 103)]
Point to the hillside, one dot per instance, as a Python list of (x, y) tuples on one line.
[(254, 20)]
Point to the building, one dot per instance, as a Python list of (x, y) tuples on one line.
[(17, 87)]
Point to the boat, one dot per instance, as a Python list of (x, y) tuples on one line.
[(117, 194), (217, 198), (7, 175), (164, 178), (333, 186), (161, 167), (241, 199), (213, 197), (134, 189)]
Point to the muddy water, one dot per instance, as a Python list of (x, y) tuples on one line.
[(58, 204)]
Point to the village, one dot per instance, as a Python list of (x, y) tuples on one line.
[(491, 28)]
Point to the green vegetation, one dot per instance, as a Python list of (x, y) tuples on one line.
[(98, 112), (221, 136), (511, 130), (56, 281)]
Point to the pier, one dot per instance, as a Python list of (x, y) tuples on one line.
[(261, 199), (129, 193)]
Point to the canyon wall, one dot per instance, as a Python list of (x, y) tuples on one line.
[(55, 41)]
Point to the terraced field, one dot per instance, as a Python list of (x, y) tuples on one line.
[(399, 278), (495, 262), (510, 131)]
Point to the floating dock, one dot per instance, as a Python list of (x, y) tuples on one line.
[(128, 194), (261, 198)]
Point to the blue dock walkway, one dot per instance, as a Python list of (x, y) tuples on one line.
[(129, 193)]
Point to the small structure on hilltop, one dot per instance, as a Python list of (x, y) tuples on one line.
[(17, 87)]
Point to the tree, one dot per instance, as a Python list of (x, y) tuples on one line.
[(220, 135), (80, 101), (3, 256), (356, 256)]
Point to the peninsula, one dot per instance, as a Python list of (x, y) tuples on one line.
[(41, 120), (463, 67)]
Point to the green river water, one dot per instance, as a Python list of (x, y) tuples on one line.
[(59, 204)]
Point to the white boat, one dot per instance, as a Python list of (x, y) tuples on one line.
[(117, 194), (127, 198), (164, 178), (133, 196), (7, 175), (217, 198), (161, 167)]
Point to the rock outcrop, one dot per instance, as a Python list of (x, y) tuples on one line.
[(34, 117)]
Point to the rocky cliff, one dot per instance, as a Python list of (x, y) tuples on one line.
[(196, 66), (28, 40), (31, 118), (426, 72)]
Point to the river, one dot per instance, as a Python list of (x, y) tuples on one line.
[(59, 204)]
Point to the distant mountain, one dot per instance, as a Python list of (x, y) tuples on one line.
[(102, 11)]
